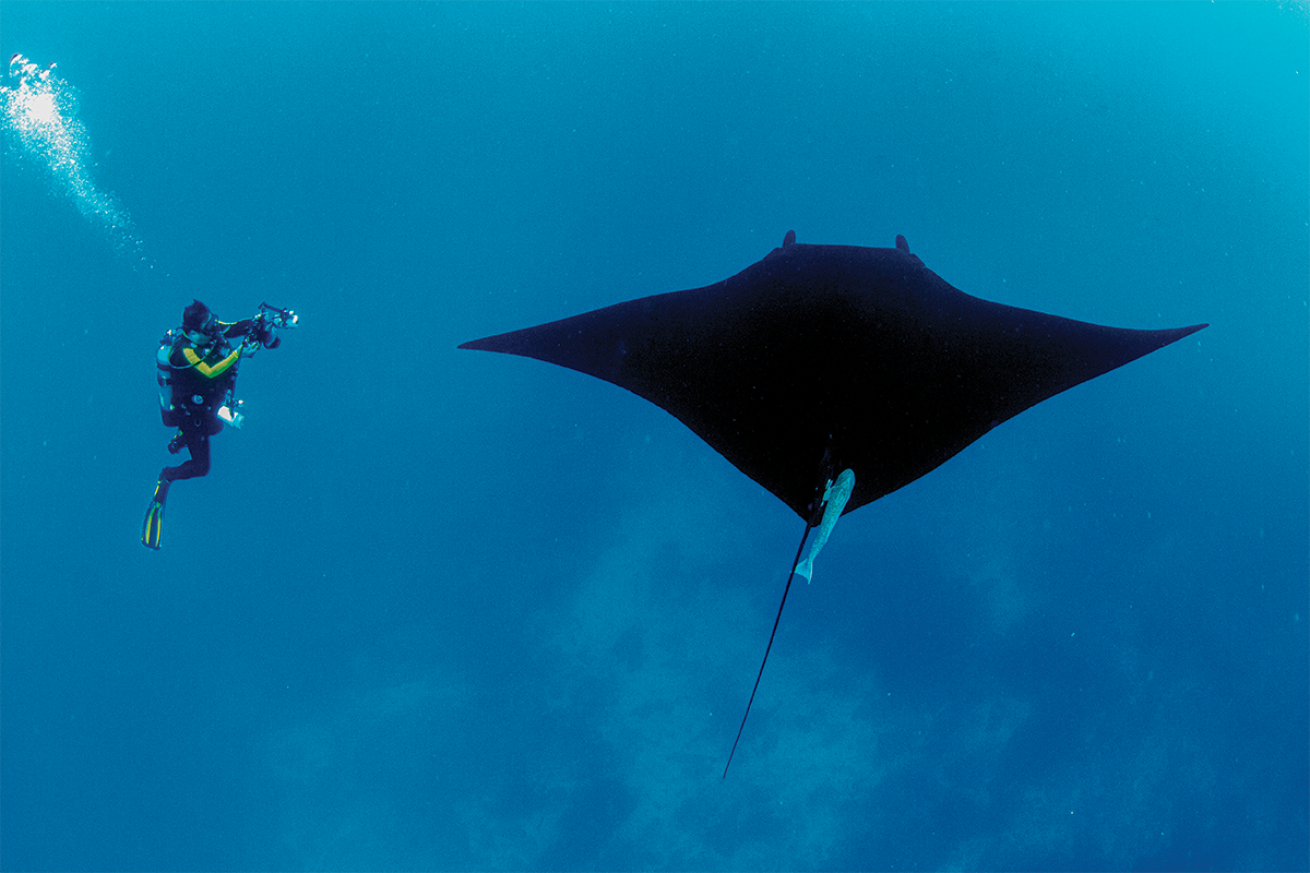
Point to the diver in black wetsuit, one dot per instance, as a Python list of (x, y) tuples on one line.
[(197, 369)]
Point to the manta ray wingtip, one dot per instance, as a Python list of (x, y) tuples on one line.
[(1173, 336)]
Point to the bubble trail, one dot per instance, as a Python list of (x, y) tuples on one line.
[(39, 112)]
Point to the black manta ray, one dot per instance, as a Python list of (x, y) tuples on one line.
[(833, 375)]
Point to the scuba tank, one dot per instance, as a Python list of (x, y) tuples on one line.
[(164, 376)]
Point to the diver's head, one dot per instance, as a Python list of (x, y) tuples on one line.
[(198, 322), (195, 316)]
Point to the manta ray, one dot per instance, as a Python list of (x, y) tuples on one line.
[(832, 375)]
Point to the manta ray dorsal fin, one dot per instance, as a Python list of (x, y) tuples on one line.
[(789, 239)]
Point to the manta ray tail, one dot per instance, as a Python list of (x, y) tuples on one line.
[(790, 576)]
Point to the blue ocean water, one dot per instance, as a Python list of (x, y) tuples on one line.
[(443, 610)]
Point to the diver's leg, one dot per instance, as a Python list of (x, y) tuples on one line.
[(197, 443)]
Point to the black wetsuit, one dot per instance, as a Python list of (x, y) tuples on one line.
[(200, 380)]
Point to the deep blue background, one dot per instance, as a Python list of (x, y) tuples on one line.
[(447, 610)]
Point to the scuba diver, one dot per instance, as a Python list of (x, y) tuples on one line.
[(196, 368)]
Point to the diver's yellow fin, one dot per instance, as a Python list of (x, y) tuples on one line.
[(153, 527)]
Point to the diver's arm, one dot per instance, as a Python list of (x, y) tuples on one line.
[(236, 328), (198, 363)]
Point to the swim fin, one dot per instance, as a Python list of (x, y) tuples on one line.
[(153, 528)]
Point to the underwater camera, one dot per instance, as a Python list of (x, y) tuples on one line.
[(268, 321)]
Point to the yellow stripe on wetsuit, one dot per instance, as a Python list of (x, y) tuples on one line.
[(198, 363)]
